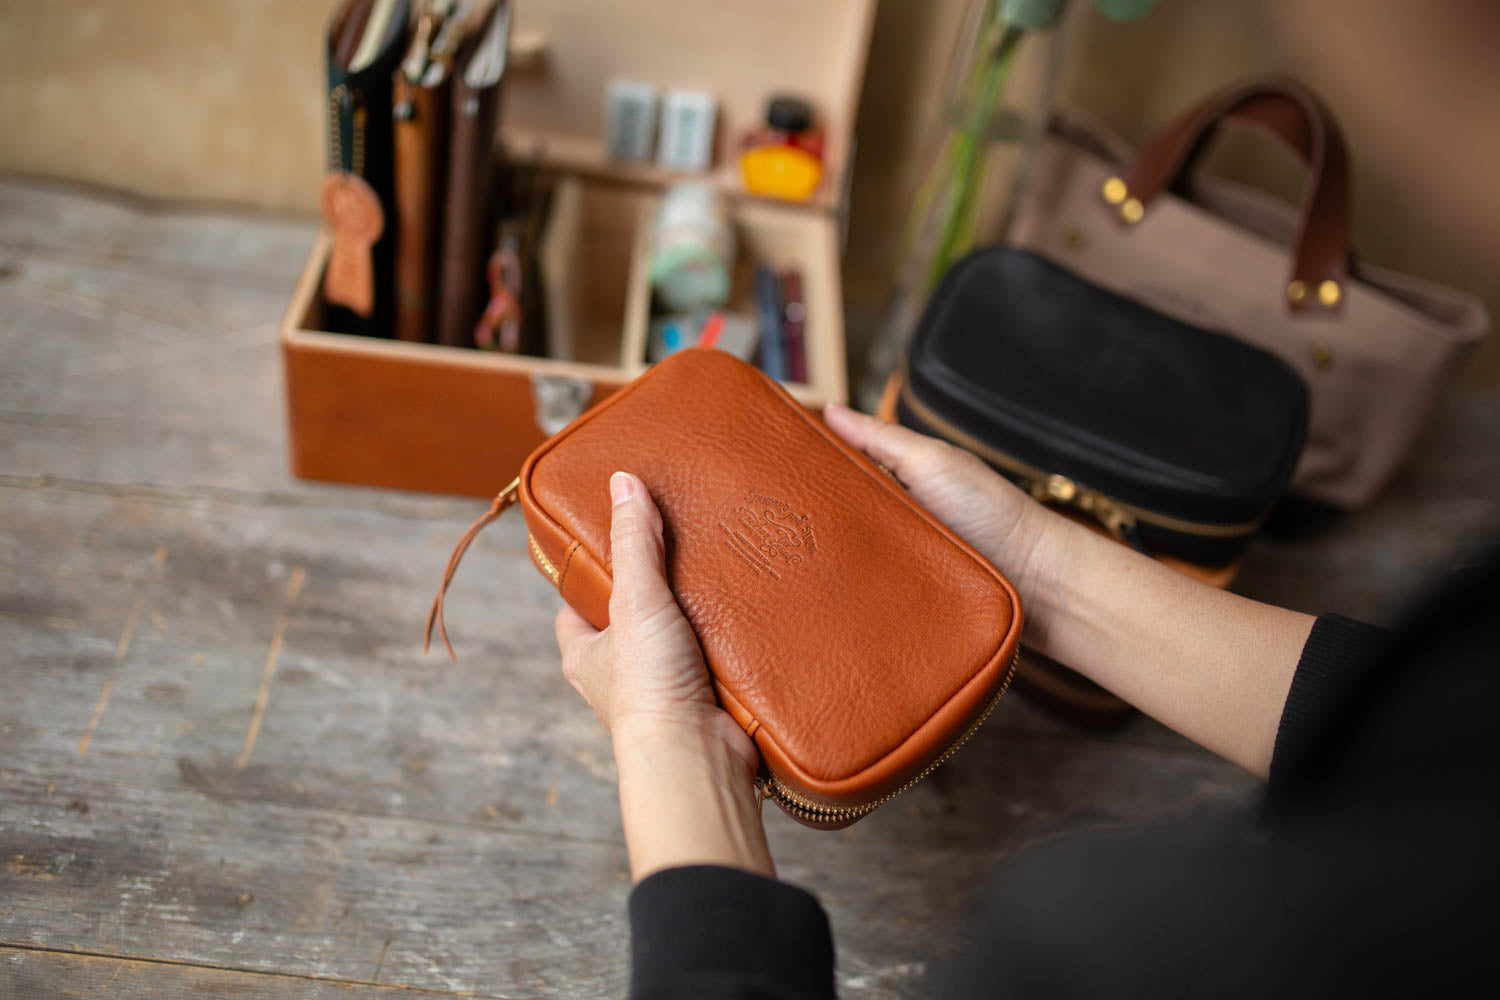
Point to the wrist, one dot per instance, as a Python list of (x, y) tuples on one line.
[(701, 732), (687, 795), (1043, 548)]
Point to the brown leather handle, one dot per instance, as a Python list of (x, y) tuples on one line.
[(1294, 115)]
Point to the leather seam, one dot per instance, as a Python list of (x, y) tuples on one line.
[(572, 551)]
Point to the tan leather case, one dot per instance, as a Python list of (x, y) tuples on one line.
[(467, 210), (850, 633), (420, 140)]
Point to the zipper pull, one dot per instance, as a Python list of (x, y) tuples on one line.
[(1065, 492), (502, 500)]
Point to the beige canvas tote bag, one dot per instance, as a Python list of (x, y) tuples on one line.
[(1375, 347)]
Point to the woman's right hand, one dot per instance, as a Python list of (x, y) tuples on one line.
[(1015, 533), (1212, 665)]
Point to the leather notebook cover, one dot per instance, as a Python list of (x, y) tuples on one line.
[(854, 637), (420, 110), (360, 65), (469, 212), (421, 129)]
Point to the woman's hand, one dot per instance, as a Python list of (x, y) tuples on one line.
[(686, 769), (1006, 526), (1212, 665), (645, 671)]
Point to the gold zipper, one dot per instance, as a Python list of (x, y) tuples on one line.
[(1116, 515), (810, 811), (547, 565)]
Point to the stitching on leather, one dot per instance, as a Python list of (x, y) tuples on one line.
[(568, 562)]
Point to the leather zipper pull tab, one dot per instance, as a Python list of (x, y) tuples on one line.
[(502, 500)]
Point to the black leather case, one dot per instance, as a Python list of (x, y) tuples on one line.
[(1177, 439)]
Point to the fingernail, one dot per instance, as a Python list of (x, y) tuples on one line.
[(832, 407), (620, 488)]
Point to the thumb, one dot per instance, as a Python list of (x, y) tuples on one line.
[(898, 448), (637, 552)]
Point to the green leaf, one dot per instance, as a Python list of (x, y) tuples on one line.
[(1124, 10), (1030, 14)]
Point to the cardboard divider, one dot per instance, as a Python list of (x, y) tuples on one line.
[(588, 255)]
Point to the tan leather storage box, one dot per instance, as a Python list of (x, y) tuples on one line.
[(452, 420)]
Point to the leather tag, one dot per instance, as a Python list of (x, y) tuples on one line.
[(352, 209)]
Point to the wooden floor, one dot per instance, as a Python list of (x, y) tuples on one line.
[(225, 764)]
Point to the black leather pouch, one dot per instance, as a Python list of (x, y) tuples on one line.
[(1176, 439)]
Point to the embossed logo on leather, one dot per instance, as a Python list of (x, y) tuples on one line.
[(768, 535)]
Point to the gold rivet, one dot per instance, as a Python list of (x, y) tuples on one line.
[(1132, 210), (1322, 355), (1072, 238), (1114, 191), (1329, 293), (1297, 291)]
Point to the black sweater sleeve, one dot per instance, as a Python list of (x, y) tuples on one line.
[(1332, 661), (707, 931), (1373, 874)]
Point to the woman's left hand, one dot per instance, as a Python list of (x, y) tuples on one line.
[(686, 768)]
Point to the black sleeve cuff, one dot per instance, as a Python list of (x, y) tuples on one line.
[(705, 930), (1334, 655)]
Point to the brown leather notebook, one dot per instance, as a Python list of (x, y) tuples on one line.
[(420, 105), (469, 213)]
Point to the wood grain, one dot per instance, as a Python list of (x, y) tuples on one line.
[(34, 973)]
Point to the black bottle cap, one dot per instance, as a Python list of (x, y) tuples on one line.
[(789, 114)]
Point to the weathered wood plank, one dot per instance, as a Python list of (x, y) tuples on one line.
[(354, 714), (113, 869), (208, 244), (215, 691), (359, 730), (29, 974)]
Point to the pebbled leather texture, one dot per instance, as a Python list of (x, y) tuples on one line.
[(847, 630)]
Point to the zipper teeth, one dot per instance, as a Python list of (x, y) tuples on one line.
[(547, 565), (1031, 472), (815, 812)]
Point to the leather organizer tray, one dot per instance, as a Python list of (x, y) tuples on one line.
[(855, 638), (429, 417)]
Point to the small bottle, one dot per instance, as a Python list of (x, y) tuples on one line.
[(692, 248), (785, 158)]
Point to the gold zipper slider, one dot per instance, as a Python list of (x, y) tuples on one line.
[(1059, 489)]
